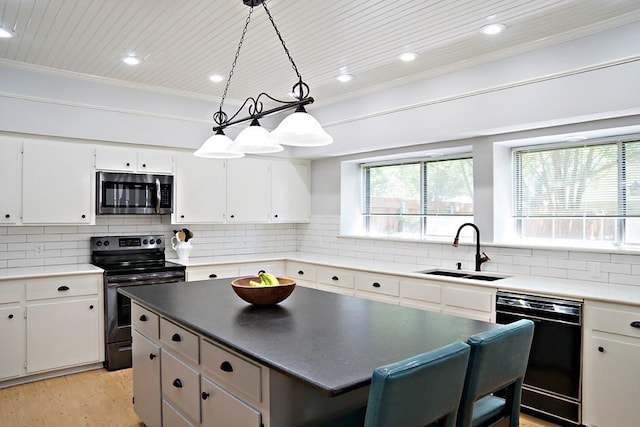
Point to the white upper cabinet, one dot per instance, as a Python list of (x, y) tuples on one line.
[(133, 160), (10, 164), (57, 183), (290, 192), (201, 189), (248, 190)]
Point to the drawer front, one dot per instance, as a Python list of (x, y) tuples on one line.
[(421, 291), (171, 416), (336, 277), (10, 292), (302, 272), (179, 339), (379, 284), (468, 298), (220, 409), (180, 385), (211, 272), (61, 287), (145, 321), (274, 267), (615, 319), (231, 369)]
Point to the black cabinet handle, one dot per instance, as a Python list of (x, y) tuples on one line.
[(83, 216), (375, 284), (181, 216), (143, 318), (152, 356), (300, 272), (63, 288), (177, 383), (276, 215), (635, 324), (7, 216), (261, 271), (233, 216), (127, 164), (91, 307), (601, 349), (335, 278), (226, 366), (144, 165), (205, 395), (176, 338), (213, 276), (11, 316)]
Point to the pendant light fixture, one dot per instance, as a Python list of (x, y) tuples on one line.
[(299, 129)]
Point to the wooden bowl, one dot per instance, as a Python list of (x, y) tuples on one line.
[(263, 295)]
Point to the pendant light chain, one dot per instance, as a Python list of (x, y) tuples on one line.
[(222, 115), (293, 64)]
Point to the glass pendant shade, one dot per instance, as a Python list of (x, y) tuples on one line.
[(301, 129), (254, 139), (217, 147)]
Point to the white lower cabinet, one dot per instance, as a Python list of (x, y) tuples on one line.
[(304, 274), (12, 333), (610, 365), (473, 302), (422, 294), (221, 409), (146, 380), (336, 280), (377, 287)]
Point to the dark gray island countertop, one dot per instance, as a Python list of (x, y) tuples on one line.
[(331, 341)]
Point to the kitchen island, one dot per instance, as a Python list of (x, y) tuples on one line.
[(312, 355)]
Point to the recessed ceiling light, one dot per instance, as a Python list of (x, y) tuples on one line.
[(131, 60), (491, 29), (4, 34), (345, 77), (216, 78), (408, 56)]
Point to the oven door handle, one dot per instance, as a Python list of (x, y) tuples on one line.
[(538, 318), (158, 196)]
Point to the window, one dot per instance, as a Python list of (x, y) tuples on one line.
[(587, 193), (423, 199)]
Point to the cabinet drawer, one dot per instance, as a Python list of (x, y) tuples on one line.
[(180, 385), (275, 267), (615, 319), (220, 409), (336, 277), (304, 272), (145, 321), (211, 272), (467, 297), (379, 284), (10, 292), (421, 291), (179, 339), (231, 369), (171, 416), (61, 287)]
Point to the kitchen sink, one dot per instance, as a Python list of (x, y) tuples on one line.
[(462, 275)]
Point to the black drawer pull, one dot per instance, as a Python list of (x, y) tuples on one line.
[(635, 324), (63, 288), (375, 284), (300, 272), (261, 271), (7, 216), (213, 276), (91, 307), (335, 278), (11, 316), (226, 366), (177, 383), (601, 349), (152, 356), (205, 395), (176, 338), (143, 318)]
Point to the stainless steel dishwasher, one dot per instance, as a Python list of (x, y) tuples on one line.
[(552, 388)]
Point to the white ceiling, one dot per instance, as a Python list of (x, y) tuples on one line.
[(186, 41)]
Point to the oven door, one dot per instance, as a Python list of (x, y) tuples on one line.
[(118, 306)]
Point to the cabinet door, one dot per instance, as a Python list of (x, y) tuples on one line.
[(56, 181), (10, 162), (611, 378), (248, 190), (290, 192), (201, 190), (154, 161), (117, 159), (63, 333), (146, 380), (12, 338), (221, 409)]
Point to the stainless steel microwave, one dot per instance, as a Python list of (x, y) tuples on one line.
[(133, 194)]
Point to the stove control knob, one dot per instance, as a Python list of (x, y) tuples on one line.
[(158, 241), (106, 243), (145, 241), (98, 243), (152, 241)]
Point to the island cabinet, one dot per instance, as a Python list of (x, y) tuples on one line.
[(610, 364)]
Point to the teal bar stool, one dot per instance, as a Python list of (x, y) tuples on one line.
[(414, 392), (498, 361)]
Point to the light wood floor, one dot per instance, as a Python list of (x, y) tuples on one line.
[(93, 399)]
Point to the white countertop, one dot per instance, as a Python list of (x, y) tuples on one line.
[(47, 271), (565, 288)]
